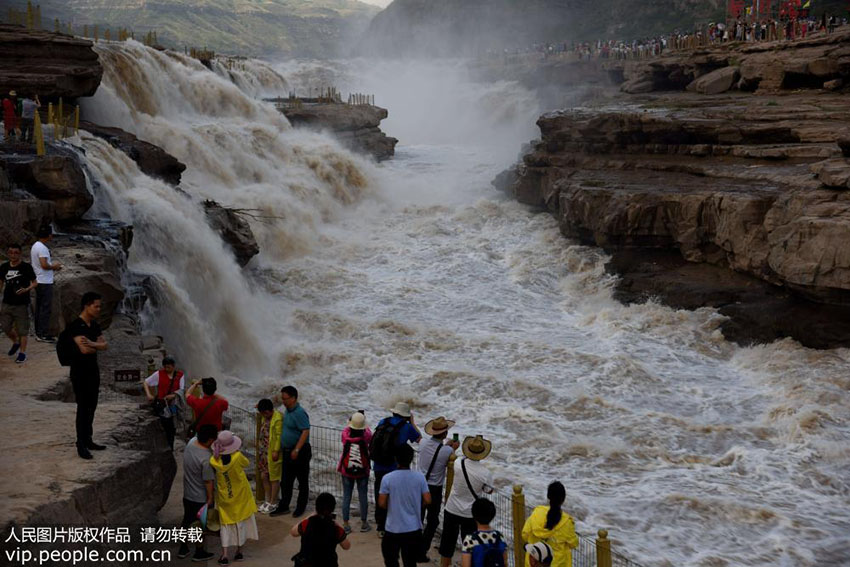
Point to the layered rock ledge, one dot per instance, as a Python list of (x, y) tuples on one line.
[(740, 203), (356, 126), (49, 64)]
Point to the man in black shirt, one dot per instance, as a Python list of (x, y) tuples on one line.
[(85, 374), (17, 278)]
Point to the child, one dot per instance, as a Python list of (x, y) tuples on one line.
[(485, 546), (320, 535), (270, 464)]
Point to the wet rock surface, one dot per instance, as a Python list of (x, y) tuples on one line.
[(356, 126), (234, 230), (56, 178), (735, 202), (151, 159)]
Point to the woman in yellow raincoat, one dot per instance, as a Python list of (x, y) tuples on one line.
[(553, 526), (233, 496), (270, 464)]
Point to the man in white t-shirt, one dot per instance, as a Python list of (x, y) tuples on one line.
[(471, 480), (44, 269), (163, 388)]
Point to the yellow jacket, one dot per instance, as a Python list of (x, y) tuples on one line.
[(275, 429), (233, 496), (562, 538)]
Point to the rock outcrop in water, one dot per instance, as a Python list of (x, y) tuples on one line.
[(356, 126), (752, 190), (51, 65), (234, 230)]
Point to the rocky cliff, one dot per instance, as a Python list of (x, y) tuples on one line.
[(47, 64), (752, 191), (356, 126)]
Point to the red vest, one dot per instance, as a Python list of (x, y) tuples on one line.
[(166, 385)]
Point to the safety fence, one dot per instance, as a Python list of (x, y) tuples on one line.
[(511, 509)]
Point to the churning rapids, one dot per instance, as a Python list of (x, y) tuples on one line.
[(415, 280)]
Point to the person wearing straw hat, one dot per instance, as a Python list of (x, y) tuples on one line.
[(234, 498), (434, 453), (354, 468), (471, 479), (539, 554), (198, 485), (391, 433), (553, 526)]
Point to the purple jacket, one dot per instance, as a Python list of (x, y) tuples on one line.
[(346, 437)]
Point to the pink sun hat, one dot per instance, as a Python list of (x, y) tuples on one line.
[(226, 443)]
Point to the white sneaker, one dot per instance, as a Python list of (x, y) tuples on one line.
[(264, 508)]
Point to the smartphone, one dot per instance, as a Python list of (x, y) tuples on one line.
[(455, 437)]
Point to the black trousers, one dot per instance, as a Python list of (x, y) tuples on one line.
[(431, 516), (170, 429), (86, 384), (43, 308), (380, 513), (190, 516), (298, 469), (407, 543)]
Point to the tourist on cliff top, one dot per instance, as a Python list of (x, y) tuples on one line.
[(539, 554), (234, 498), (471, 479), (17, 279), (554, 526), (404, 494), (320, 535), (486, 546), (85, 372), (198, 485), (296, 453), (354, 467), (434, 453), (168, 383), (391, 433), (29, 106), (208, 408), (269, 463), (10, 117), (45, 270)]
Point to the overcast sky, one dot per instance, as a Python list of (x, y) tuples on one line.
[(381, 3)]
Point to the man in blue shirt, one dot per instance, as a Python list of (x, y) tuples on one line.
[(404, 493), (401, 422), (296, 453)]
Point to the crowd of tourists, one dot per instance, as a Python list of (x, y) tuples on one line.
[(408, 490), (19, 117), (785, 28)]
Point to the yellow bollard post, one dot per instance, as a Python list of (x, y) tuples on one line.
[(86, 30), (37, 21), (258, 431), (77, 120), (30, 15), (450, 476), (603, 549), (38, 135), (106, 35), (95, 33), (56, 26), (50, 113), (61, 109), (70, 29), (518, 520)]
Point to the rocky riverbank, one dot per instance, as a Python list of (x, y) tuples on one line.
[(734, 201), (357, 127)]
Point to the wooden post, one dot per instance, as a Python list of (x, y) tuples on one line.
[(38, 17), (56, 27), (38, 135), (77, 120), (86, 30), (603, 549), (518, 521)]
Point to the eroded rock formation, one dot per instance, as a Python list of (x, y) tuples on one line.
[(759, 189), (234, 230), (356, 126), (51, 65)]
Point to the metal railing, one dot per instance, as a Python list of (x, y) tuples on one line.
[(511, 509)]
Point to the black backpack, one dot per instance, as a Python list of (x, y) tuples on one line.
[(489, 554), (66, 349), (384, 441)]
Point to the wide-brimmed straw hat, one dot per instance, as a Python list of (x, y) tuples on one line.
[(476, 448), (357, 421), (438, 425), (541, 552), (226, 443), (402, 409)]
